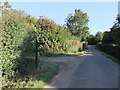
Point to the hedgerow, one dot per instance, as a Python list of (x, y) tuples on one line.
[(15, 41), (53, 38), (111, 49), (18, 33)]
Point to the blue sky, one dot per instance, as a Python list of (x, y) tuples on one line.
[(101, 14)]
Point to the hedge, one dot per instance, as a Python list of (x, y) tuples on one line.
[(77, 47), (111, 49), (15, 44)]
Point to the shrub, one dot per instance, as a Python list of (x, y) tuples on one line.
[(76, 48), (15, 41), (112, 49), (53, 38)]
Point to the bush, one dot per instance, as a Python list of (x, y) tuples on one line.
[(53, 41), (15, 42), (111, 49), (76, 48)]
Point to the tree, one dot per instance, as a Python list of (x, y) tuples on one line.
[(46, 25), (91, 40), (99, 37), (115, 30), (77, 24), (108, 38)]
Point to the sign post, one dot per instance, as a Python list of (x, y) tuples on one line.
[(36, 44)]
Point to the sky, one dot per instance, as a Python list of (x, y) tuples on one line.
[(101, 14)]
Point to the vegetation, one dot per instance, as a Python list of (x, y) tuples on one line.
[(111, 41), (99, 37), (92, 40), (66, 54), (15, 43), (108, 37), (53, 38), (77, 24), (111, 49), (19, 33), (17, 49), (55, 41), (38, 78), (108, 55)]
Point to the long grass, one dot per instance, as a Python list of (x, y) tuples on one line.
[(40, 77), (66, 54)]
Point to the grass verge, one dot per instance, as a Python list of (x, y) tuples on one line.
[(66, 54), (107, 55), (45, 72)]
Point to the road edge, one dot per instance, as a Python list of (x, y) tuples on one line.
[(107, 55)]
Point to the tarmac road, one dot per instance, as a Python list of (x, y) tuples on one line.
[(92, 70)]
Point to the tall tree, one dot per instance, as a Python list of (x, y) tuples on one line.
[(91, 39), (99, 36), (115, 30), (108, 37), (77, 24)]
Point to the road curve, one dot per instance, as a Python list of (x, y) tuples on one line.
[(92, 70)]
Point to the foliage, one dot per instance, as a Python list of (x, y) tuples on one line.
[(91, 40), (46, 25), (53, 38), (99, 37), (112, 49), (17, 32), (108, 55), (77, 24), (15, 42), (113, 36), (108, 38), (38, 79), (115, 31)]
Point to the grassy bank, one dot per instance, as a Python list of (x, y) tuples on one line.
[(38, 79), (107, 55), (65, 54)]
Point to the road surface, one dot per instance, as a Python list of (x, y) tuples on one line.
[(92, 70)]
